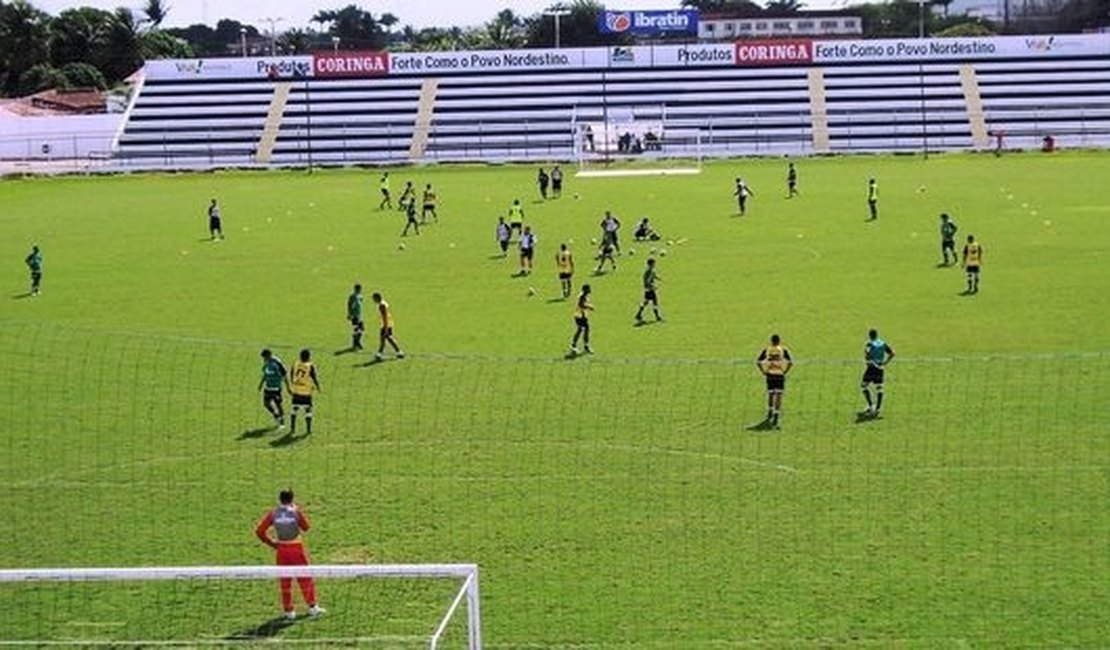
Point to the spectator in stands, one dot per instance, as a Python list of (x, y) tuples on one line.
[(637, 145), (588, 136), (651, 142), (1048, 144), (542, 180), (644, 232), (556, 182)]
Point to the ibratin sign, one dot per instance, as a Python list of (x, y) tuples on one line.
[(648, 23)]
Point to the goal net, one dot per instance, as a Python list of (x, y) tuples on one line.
[(421, 606), (636, 142)]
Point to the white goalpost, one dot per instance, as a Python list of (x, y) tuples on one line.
[(189, 588), (635, 141)]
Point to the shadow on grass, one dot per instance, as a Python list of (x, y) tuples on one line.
[(266, 630), (251, 434), (765, 425), (864, 417), (347, 350), (288, 440), (555, 300), (21, 296)]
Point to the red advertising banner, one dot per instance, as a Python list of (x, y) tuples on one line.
[(350, 64), (774, 52)]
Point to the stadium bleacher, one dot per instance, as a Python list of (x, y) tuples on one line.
[(867, 103)]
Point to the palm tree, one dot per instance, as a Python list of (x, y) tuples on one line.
[(505, 31), (155, 12), (24, 34)]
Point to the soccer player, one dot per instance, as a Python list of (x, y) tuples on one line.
[(516, 215), (385, 334), (947, 238), (582, 311), (605, 254), (215, 229), (304, 383), (877, 354), (504, 234), (651, 279), (774, 362), (383, 187), (791, 181), (556, 182), (527, 250), (973, 258), (644, 231), (354, 315), (288, 522), (742, 192), (273, 377), (408, 196), (34, 263), (873, 198), (542, 179), (429, 204), (564, 261), (410, 219), (610, 229)]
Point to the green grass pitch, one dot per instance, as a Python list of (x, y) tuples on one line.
[(618, 500)]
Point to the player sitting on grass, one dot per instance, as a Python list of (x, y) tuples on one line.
[(644, 231)]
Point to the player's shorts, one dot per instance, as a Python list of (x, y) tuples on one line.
[(214, 224), (36, 276), (582, 321), (556, 185), (873, 375), (649, 296), (358, 325), (269, 396), (948, 244), (385, 193), (302, 400), (973, 269), (776, 382), (527, 253), (516, 225), (386, 332), (429, 207), (564, 276), (504, 245)]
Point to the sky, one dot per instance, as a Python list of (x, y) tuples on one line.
[(298, 13)]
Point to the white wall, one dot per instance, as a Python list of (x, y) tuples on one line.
[(67, 137)]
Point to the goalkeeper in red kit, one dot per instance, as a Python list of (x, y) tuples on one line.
[(288, 523)]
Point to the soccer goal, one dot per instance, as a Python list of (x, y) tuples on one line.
[(635, 142), (236, 605)]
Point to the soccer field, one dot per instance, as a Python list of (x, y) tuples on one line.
[(623, 499)]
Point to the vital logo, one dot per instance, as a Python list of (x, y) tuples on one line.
[(190, 67), (1041, 44)]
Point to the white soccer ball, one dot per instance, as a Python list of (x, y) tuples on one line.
[(631, 252), (593, 240), (401, 246), (531, 291), (662, 252), (577, 195)]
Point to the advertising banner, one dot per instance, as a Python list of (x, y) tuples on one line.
[(792, 51), (917, 50), (648, 23), (486, 60), (240, 68), (330, 65)]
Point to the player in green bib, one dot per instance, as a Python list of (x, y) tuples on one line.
[(273, 378), (948, 239), (354, 315)]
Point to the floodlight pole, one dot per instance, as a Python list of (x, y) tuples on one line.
[(557, 14), (243, 41), (273, 33), (334, 43)]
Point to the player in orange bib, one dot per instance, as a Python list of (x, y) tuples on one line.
[(288, 522)]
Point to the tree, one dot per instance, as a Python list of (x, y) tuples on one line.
[(158, 44), (576, 29), (82, 75), (79, 35), (41, 76), (355, 27), (969, 28), (155, 12), (505, 31), (783, 6), (295, 41), (24, 34)]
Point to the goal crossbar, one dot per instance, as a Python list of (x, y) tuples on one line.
[(467, 572)]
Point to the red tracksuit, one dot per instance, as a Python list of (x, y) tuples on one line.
[(288, 522)]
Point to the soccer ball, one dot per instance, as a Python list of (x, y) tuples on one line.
[(577, 195), (631, 252), (662, 252), (531, 291), (401, 246), (593, 240)]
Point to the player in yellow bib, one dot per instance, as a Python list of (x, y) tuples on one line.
[(429, 204), (516, 216), (774, 362), (385, 334), (302, 384), (973, 259), (564, 262)]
